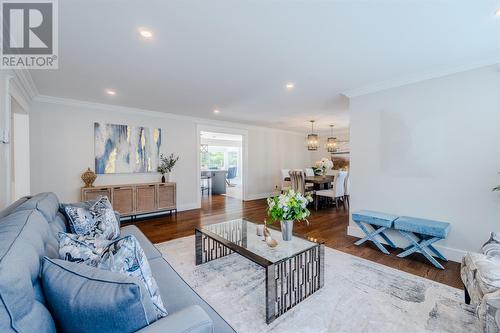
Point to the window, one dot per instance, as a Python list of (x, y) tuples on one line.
[(221, 158)]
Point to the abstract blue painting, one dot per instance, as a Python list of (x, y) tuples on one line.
[(126, 149)]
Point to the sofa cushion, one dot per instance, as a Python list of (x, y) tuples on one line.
[(150, 250), (192, 319), (126, 256), (81, 248), (180, 295), (46, 203), (123, 255), (492, 246), (98, 220), (482, 274), (25, 237), (87, 299)]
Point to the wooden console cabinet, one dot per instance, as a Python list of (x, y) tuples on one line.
[(136, 199)]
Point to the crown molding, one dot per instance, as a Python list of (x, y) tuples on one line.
[(429, 75), (157, 114), (24, 84)]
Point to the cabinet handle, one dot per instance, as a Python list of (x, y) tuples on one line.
[(151, 186), (117, 188), (103, 189)]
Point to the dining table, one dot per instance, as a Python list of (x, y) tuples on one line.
[(319, 182)]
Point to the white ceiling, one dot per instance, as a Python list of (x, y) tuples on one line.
[(237, 55)]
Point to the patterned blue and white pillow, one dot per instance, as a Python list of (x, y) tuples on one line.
[(124, 256), (81, 248), (106, 224), (98, 221), (80, 219)]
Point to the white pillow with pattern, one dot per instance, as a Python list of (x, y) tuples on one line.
[(492, 246)]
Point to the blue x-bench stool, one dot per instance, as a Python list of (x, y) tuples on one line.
[(422, 234), (379, 223)]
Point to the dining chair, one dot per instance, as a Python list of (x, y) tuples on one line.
[(336, 193), (285, 184), (298, 181), (309, 173), (347, 189)]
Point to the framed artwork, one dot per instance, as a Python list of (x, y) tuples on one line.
[(126, 149)]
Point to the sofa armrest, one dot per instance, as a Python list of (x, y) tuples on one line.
[(489, 312), (192, 319)]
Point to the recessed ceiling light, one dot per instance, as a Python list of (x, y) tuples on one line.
[(111, 92), (216, 111), (290, 85), (497, 12), (145, 33)]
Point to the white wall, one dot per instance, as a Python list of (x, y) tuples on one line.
[(431, 150), (62, 147)]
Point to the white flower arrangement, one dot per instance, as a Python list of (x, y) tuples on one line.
[(324, 164), (290, 206)]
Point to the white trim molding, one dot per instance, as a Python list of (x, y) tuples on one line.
[(450, 253), (428, 75), (153, 113)]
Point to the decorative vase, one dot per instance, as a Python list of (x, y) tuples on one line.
[(89, 177), (162, 178), (168, 177), (287, 230)]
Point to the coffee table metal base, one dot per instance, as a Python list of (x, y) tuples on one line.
[(288, 282)]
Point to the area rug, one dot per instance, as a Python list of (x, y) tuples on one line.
[(358, 296)]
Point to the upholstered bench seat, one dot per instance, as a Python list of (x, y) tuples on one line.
[(378, 223), (422, 234), (374, 218), (422, 226)]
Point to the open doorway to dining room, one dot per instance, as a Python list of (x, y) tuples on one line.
[(221, 162)]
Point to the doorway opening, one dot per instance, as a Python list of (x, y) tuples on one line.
[(221, 164)]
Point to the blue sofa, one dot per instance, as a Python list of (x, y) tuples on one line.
[(28, 231)]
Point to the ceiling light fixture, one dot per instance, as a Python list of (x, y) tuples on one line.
[(290, 85), (312, 139), (331, 142), (110, 92), (145, 33), (216, 111), (497, 12)]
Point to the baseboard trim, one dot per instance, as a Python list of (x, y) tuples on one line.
[(259, 196), (450, 253)]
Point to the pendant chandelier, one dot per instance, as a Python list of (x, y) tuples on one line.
[(312, 139), (331, 142)]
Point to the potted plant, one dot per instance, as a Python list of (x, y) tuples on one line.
[(324, 165), (166, 166), (288, 208)]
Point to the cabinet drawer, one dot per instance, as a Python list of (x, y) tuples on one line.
[(123, 200), (166, 196), (145, 198), (94, 193)]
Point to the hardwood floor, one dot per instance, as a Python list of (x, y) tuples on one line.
[(328, 225)]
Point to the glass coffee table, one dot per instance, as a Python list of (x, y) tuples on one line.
[(294, 269)]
